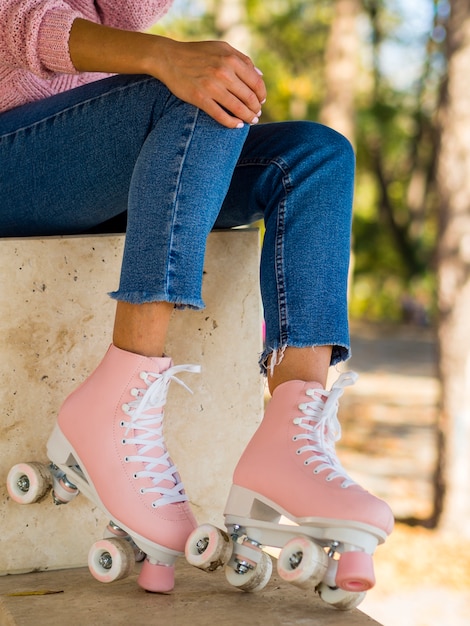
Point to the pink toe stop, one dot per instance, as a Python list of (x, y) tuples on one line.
[(355, 571), (156, 578)]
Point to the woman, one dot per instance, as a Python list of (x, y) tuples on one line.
[(99, 120)]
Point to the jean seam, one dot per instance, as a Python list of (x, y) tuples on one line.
[(279, 242), (171, 250), (280, 268)]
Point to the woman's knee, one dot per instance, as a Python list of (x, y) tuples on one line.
[(328, 139)]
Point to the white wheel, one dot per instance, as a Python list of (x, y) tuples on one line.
[(302, 562), (339, 598), (252, 579), (113, 530), (208, 548), (111, 559), (28, 482), (63, 491)]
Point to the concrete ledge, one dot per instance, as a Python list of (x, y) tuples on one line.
[(199, 599), (55, 325)]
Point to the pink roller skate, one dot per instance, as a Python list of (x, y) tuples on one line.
[(290, 492), (108, 444)]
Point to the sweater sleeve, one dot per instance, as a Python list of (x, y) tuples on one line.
[(131, 14), (34, 34)]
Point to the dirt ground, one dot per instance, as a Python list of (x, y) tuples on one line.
[(388, 417)]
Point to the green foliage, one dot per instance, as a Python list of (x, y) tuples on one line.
[(288, 45), (395, 223)]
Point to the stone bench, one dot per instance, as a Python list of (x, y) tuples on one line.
[(55, 325), (199, 599)]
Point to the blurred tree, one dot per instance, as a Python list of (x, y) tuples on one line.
[(341, 69), (453, 175), (395, 217), (230, 21)]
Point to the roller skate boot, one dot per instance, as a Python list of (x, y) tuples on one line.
[(290, 492), (108, 442)]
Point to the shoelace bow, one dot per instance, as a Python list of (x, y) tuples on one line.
[(148, 434), (323, 429)]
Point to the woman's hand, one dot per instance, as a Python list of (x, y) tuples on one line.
[(212, 75)]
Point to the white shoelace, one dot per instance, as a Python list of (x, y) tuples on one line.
[(148, 434), (323, 429)]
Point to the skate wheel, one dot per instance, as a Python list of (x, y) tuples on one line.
[(111, 559), (28, 482), (252, 579), (339, 598), (208, 548), (113, 530), (63, 490), (156, 577), (302, 563), (355, 571)]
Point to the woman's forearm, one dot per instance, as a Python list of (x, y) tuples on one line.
[(97, 48), (212, 75)]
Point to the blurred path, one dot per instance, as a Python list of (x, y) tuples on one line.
[(388, 416), (388, 444)]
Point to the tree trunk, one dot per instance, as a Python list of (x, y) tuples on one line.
[(231, 23), (453, 178), (341, 62)]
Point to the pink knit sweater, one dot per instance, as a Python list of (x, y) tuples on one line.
[(34, 53)]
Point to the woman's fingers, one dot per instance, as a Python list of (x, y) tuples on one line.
[(216, 78)]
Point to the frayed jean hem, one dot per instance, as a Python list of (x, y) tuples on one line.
[(339, 354), (143, 297)]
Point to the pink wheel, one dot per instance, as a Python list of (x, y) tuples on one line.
[(253, 578), (339, 598), (355, 572), (208, 548), (111, 559), (28, 482), (64, 491), (156, 577), (302, 562)]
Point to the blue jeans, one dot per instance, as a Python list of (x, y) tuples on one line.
[(125, 146)]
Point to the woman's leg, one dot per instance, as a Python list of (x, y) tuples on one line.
[(299, 177), (71, 163), (142, 328)]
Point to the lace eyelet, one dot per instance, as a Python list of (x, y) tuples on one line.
[(294, 438), (122, 423), (126, 459), (306, 462), (142, 491), (316, 471), (123, 441)]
